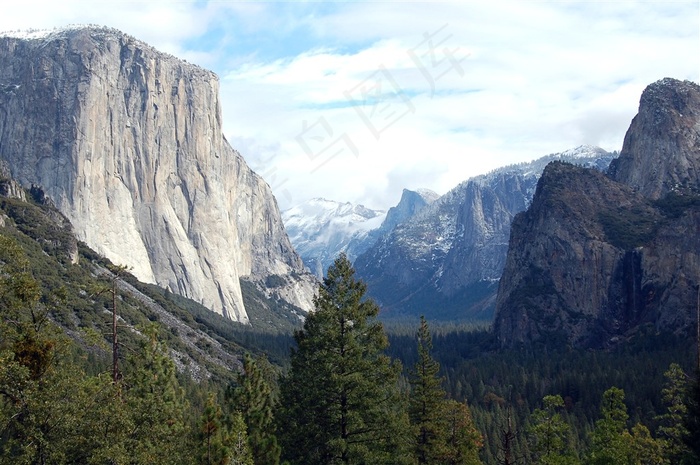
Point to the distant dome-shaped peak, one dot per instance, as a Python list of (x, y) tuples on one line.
[(669, 92)]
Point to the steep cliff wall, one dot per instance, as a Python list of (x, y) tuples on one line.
[(446, 260), (660, 152), (127, 141), (596, 257)]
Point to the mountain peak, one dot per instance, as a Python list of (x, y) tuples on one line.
[(661, 152), (320, 229), (127, 141), (593, 260)]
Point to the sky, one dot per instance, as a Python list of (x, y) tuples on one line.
[(355, 101)]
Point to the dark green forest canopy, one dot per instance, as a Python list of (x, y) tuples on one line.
[(55, 339)]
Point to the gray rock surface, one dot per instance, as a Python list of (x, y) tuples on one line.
[(445, 262), (597, 258), (660, 152), (127, 141)]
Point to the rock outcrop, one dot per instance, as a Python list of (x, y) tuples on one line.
[(660, 152), (411, 202), (321, 229), (596, 258), (127, 142), (446, 260)]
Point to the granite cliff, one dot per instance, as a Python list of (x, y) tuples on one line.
[(446, 260), (127, 142), (598, 257)]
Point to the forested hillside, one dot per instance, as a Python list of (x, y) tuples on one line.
[(179, 388)]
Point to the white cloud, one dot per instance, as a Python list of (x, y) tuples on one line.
[(538, 77)]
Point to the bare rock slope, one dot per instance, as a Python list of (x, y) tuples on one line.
[(445, 260), (128, 143), (598, 258)]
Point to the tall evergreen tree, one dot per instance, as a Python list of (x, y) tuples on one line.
[(426, 408), (644, 449), (340, 401), (211, 435), (462, 440), (254, 399), (692, 420), (238, 441), (549, 433), (608, 443), (157, 404), (50, 410), (672, 428)]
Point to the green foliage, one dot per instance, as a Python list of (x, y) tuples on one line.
[(442, 430), (340, 400), (254, 398), (671, 423), (608, 443), (222, 441), (50, 410), (692, 420), (643, 449), (629, 228), (462, 439), (612, 443), (549, 433), (240, 451), (493, 381), (211, 435), (59, 405), (157, 403), (675, 204), (426, 401)]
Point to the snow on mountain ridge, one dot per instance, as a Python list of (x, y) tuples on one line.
[(320, 229), (447, 257)]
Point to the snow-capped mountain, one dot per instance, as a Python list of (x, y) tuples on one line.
[(320, 229), (445, 262)]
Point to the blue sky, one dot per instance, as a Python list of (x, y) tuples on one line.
[(355, 101)]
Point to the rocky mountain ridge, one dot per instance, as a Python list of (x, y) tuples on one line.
[(598, 257), (127, 142), (321, 229), (447, 260)]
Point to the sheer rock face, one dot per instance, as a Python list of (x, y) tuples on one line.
[(595, 258), (660, 152), (128, 143), (446, 260)]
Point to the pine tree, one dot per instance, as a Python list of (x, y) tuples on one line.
[(254, 399), (692, 420), (644, 449), (672, 428), (549, 433), (238, 442), (340, 400), (212, 435), (50, 410), (157, 403), (608, 443), (426, 406), (462, 441)]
